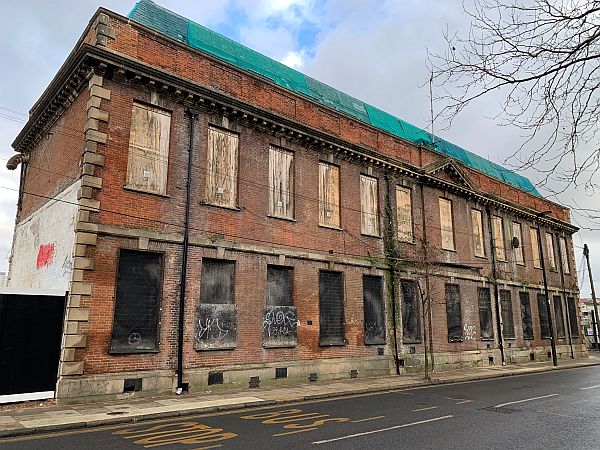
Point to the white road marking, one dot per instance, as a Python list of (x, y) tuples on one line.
[(350, 436), (425, 409), (525, 400), (590, 387)]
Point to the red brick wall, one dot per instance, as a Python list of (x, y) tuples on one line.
[(54, 161)]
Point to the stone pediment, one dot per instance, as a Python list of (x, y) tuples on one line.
[(448, 170)]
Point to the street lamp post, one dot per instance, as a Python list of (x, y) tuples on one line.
[(548, 309)]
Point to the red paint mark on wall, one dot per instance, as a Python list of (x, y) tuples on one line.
[(45, 255)]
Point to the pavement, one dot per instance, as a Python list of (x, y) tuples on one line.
[(25, 421)]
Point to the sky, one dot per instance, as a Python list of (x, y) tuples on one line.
[(375, 50)]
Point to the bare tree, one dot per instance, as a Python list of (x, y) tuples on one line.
[(543, 58)]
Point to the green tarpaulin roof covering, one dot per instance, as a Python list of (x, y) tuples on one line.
[(194, 35)]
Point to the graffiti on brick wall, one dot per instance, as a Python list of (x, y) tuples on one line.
[(280, 324), (45, 255), (43, 244), (469, 332), (216, 327)]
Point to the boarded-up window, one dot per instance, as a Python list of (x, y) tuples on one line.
[(135, 324), (477, 227), (508, 323), (279, 286), (572, 308), (526, 315), (329, 195), (216, 286), (562, 242), (543, 313), (369, 205), (446, 224), (374, 310), (281, 183), (535, 247), (558, 316), (518, 233), (216, 320), (222, 167), (550, 250), (498, 228), (331, 308), (485, 313), (280, 322), (411, 317), (404, 214), (148, 149), (453, 313)]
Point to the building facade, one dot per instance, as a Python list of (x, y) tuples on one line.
[(216, 216)]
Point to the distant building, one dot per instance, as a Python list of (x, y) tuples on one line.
[(586, 310), (325, 237)]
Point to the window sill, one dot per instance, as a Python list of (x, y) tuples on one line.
[(371, 235), (341, 343), (131, 352), (455, 341), (143, 191), (380, 343), (480, 257), (513, 338), (230, 208), (407, 242), (488, 339), (453, 250), (270, 346), (289, 219), (331, 227)]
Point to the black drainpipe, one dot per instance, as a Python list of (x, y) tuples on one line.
[(496, 294), (193, 114)]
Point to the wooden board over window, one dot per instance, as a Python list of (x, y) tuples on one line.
[(411, 317), (137, 302), (404, 214), (222, 167), (281, 183), (558, 316), (446, 224), (453, 313), (526, 315), (550, 249), (573, 322), (544, 319), (498, 227), (331, 309), (329, 195), (477, 227), (535, 247), (508, 323), (562, 243), (518, 233), (148, 159), (374, 310), (486, 323), (369, 205)]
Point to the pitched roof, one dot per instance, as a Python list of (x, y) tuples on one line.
[(196, 36)]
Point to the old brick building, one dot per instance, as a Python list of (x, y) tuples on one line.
[(300, 231)]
